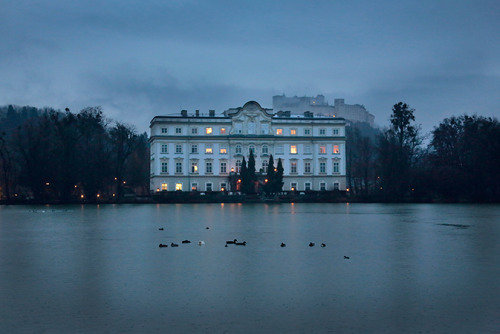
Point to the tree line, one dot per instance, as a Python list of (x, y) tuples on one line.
[(459, 162), (60, 156)]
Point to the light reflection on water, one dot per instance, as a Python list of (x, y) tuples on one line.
[(93, 269)]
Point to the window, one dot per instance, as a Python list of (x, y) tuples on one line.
[(251, 148), (237, 127), (293, 132), (223, 186), (194, 186), (322, 167), (307, 167), (178, 167), (164, 167), (178, 148), (293, 167), (265, 149), (293, 186), (164, 187), (209, 186), (322, 132), (208, 148), (194, 131), (264, 128), (322, 186), (278, 149), (307, 132), (178, 130), (178, 186), (237, 149), (208, 131), (336, 149), (335, 132), (293, 149), (222, 131), (164, 130), (194, 167), (223, 150), (336, 186), (336, 167), (238, 166), (322, 149), (251, 128), (308, 186), (265, 164), (194, 148), (279, 132), (223, 167), (208, 167), (307, 149), (164, 148)]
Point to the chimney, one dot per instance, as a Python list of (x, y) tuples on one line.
[(211, 113), (197, 113), (184, 113)]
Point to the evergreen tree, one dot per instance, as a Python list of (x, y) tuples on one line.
[(243, 176), (278, 181), (251, 177), (268, 187)]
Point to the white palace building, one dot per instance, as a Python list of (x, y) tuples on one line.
[(202, 152)]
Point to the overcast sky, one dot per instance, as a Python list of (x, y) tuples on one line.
[(138, 59)]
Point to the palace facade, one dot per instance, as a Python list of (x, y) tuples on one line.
[(205, 152)]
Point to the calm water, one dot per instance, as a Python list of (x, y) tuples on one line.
[(98, 269)]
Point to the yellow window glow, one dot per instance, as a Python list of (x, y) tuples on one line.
[(279, 132), (293, 149), (178, 186), (208, 131), (164, 186), (336, 149)]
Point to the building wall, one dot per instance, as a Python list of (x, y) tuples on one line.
[(204, 150)]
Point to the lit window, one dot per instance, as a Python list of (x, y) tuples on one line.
[(208, 167), (336, 149), (194, 131), (164, 167), (164, 130), (322, 132), (178, 167), (307, 132), (194, 148), (178, 130), (336, 167), (164, 148), (322, 167), (208, 149), (223, 150), (178, 148), (178, 186), (279, 132), (208, 131), (307, 167), (223, 167), (222, 131), (293, 132), (293, 149), (164, 187), (293, 167), (194, 167), (322, 149), (194, 186)]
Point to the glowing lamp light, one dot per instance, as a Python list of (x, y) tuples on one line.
[(76, 186), (81, 196), (293, 189), (347, 189), (239, 180), (114, 195), (232, 169), (98, 195), (157, 190), (265, 180), (222, 189), (47, 183), (116, 178)]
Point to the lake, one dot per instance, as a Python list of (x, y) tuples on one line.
[(411, 268)]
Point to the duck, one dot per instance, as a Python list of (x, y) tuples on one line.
[(244, 243), (162, 245), (207, 228), (323, 245), (186, 241), (346, 257), (229, 242), (174, 245), (283, 244), (311, 244), (201, 243), (160, 229)]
